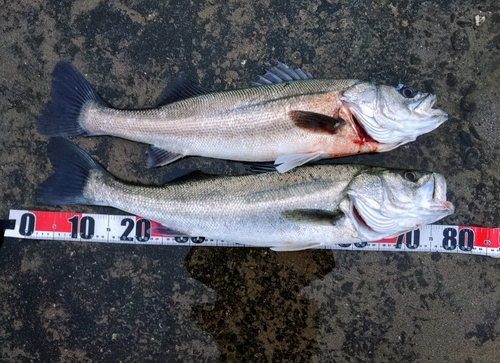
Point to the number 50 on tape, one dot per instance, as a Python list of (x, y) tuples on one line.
[(80, 227)]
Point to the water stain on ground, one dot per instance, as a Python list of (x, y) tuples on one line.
[(260, 313)]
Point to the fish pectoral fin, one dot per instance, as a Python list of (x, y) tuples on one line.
[(295, 247), (280, 74), (316, 122), (179, 90), (286, 162), (318, 217), (159, 157)]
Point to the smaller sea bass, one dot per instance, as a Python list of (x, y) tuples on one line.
[(312, 206), (289, 118)]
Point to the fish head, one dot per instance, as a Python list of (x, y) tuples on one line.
[(385, 203), (393, 116)]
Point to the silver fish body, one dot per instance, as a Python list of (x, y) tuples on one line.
[(251, 124), (310, 207), (290, 123)]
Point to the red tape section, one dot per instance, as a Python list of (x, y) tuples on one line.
[(70, 226)]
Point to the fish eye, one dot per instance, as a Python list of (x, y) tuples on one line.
[(406, 92), (410, 176)]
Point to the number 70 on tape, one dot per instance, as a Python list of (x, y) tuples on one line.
[(103, 228)]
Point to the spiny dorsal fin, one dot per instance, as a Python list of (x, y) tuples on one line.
[(316, 122), (179, 90), (317, 217), (281, 73)]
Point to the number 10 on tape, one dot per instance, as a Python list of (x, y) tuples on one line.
[(81, 227)]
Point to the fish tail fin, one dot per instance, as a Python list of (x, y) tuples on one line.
[(70, 92), (73, 170)]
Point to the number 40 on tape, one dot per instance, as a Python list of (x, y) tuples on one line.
[(69, 226)]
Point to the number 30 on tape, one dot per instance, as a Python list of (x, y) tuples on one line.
[(69, 226)]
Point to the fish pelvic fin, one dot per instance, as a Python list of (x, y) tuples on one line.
[(73, 169), (285, 163), (295, 247), (70, 93), (259, 168)]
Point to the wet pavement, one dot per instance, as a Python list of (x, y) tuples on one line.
[(77, 302)]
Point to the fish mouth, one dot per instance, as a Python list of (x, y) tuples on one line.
[(439, 194), (424, 107), (433, 196)]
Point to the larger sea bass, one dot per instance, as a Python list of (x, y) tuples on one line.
[(290, 119), (313, 206)]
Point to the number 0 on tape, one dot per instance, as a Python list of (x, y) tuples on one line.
[(80, 227)]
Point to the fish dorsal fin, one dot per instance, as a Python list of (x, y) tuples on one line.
[(317, 217), (281, 73), (159, 157), (295, 247), (179, 90), (316, 122), (285, 163), (191, 176)]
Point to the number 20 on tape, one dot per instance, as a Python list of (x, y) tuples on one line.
[(68, 226)]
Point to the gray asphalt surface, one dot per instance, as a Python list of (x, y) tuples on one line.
[(76, 302)]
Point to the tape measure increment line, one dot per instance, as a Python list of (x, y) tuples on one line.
[(82, 227)]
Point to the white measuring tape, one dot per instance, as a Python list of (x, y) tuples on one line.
[(81, 227)]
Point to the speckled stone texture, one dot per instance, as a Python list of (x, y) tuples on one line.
[(67, 302)]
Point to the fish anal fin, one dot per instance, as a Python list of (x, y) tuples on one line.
[(316, 122), (159, 157), (295, 247), (179, 90), (285, 163), (158, 228), (318, 217)]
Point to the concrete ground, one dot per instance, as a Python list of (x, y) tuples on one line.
[(75, 302)]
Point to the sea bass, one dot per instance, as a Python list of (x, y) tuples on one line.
[(309, 207), (289, 118)]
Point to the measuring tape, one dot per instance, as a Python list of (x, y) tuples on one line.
[(81, 227)]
